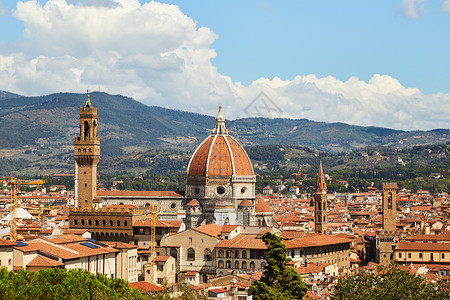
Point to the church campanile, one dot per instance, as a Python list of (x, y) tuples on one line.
[(320, 199), (87, 155)]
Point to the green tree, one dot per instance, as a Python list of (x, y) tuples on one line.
[(389, 283), (62, 284), (279, 280)]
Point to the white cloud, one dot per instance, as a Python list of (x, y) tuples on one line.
[(413, 8), (156, 54), (446, 6)]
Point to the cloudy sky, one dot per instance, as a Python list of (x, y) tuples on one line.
[(384, 63)]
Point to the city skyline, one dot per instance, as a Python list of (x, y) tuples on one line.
[(381, 64)]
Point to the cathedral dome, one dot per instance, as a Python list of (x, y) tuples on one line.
[(220, 155)]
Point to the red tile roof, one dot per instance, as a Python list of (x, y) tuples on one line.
[(145, 287), (42, 261), (245, 202), (262, 206), (193, 202), (417, 246), (243, 241), (6, 243), (210, 229)]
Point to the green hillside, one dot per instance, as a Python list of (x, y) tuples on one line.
[(36, 133)]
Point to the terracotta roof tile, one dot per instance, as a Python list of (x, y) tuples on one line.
[(262, 206), (245, 202), (42, 261), (210, 229), (145, 287), (193, 202)]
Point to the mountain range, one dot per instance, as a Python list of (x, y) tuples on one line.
[(126, 125)]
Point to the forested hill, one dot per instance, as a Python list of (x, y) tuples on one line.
[(125, 126)]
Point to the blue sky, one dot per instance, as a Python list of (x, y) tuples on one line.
[(406, 42)]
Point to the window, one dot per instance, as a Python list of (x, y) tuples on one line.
[(220, 190), (220, 264), (228, 253), (173, 252), (82, 221), (244, 254), (75, 222), (118, 223), (161, 268), (409, 255), (400, 255), (420, 255), (125, 223), (244, 265), (443, 255), (110, 223), (243, 190), (207, 255), (96, 222), (236, 254), (252, 265), (431, 256), (220, 253), (236, 264), (228, 264), (104, 222), (191, 254), (90, 222), (263, 265)]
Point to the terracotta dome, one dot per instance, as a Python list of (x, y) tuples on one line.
[(220, 155)]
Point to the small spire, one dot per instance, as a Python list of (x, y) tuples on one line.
[(321, 185), (220, 123), (88, 101)]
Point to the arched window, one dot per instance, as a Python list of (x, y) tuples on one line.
[(324, 219), (118, 223), (125, 223), (252, 265), (228, 253), (220, 264), (389, 200), (263, 265), (191, 254), (96, 222), (82, 221), (207, 255), (90, 222), (244, 265), (324, 205), (104, 223), (244, 254), (110, 223), (221, 253), (236, 254), (228, 264), (292, 253), (86, 130), (236, 264), (75, 222), (173, 252)]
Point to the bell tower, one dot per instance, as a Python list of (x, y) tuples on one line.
[(87, 155), (320, 199), (389, 194)]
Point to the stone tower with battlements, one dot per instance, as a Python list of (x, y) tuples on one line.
[(87, 155), (387, 236), (320, 199), (389, 194)]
